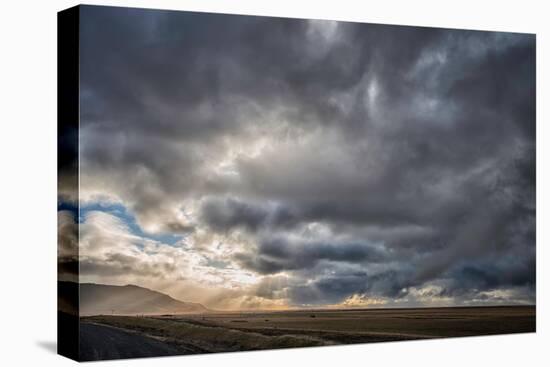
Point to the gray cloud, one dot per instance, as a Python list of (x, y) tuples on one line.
[(352, 158), (227, 213), (274, 255)]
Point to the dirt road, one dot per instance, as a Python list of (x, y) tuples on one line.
[(103, 342)]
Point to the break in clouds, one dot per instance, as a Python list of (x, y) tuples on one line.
[(255, 162)]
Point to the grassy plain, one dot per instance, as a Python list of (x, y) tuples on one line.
[(224, 332)]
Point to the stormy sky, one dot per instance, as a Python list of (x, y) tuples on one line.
[(256, 162)]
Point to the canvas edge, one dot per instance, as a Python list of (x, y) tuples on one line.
[(68, 21)]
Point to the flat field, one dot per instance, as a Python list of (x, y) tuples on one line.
[(225, 332)]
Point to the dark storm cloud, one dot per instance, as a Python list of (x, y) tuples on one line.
[(227, 213), (412, 148), (333, 288), (277, 254)]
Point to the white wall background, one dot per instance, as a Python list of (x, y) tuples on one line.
[(28, 182)]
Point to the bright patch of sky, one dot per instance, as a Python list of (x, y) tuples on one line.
[(122, 213)]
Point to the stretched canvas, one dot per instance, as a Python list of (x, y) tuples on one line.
[(236, 183)]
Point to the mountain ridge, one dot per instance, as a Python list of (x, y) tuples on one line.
[(130, 299)]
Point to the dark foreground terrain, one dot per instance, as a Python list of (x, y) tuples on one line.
[(110, 337), (103, 342)]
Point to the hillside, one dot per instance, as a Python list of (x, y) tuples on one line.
[(101, 299)]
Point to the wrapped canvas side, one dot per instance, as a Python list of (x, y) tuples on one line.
[(67, 200)]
